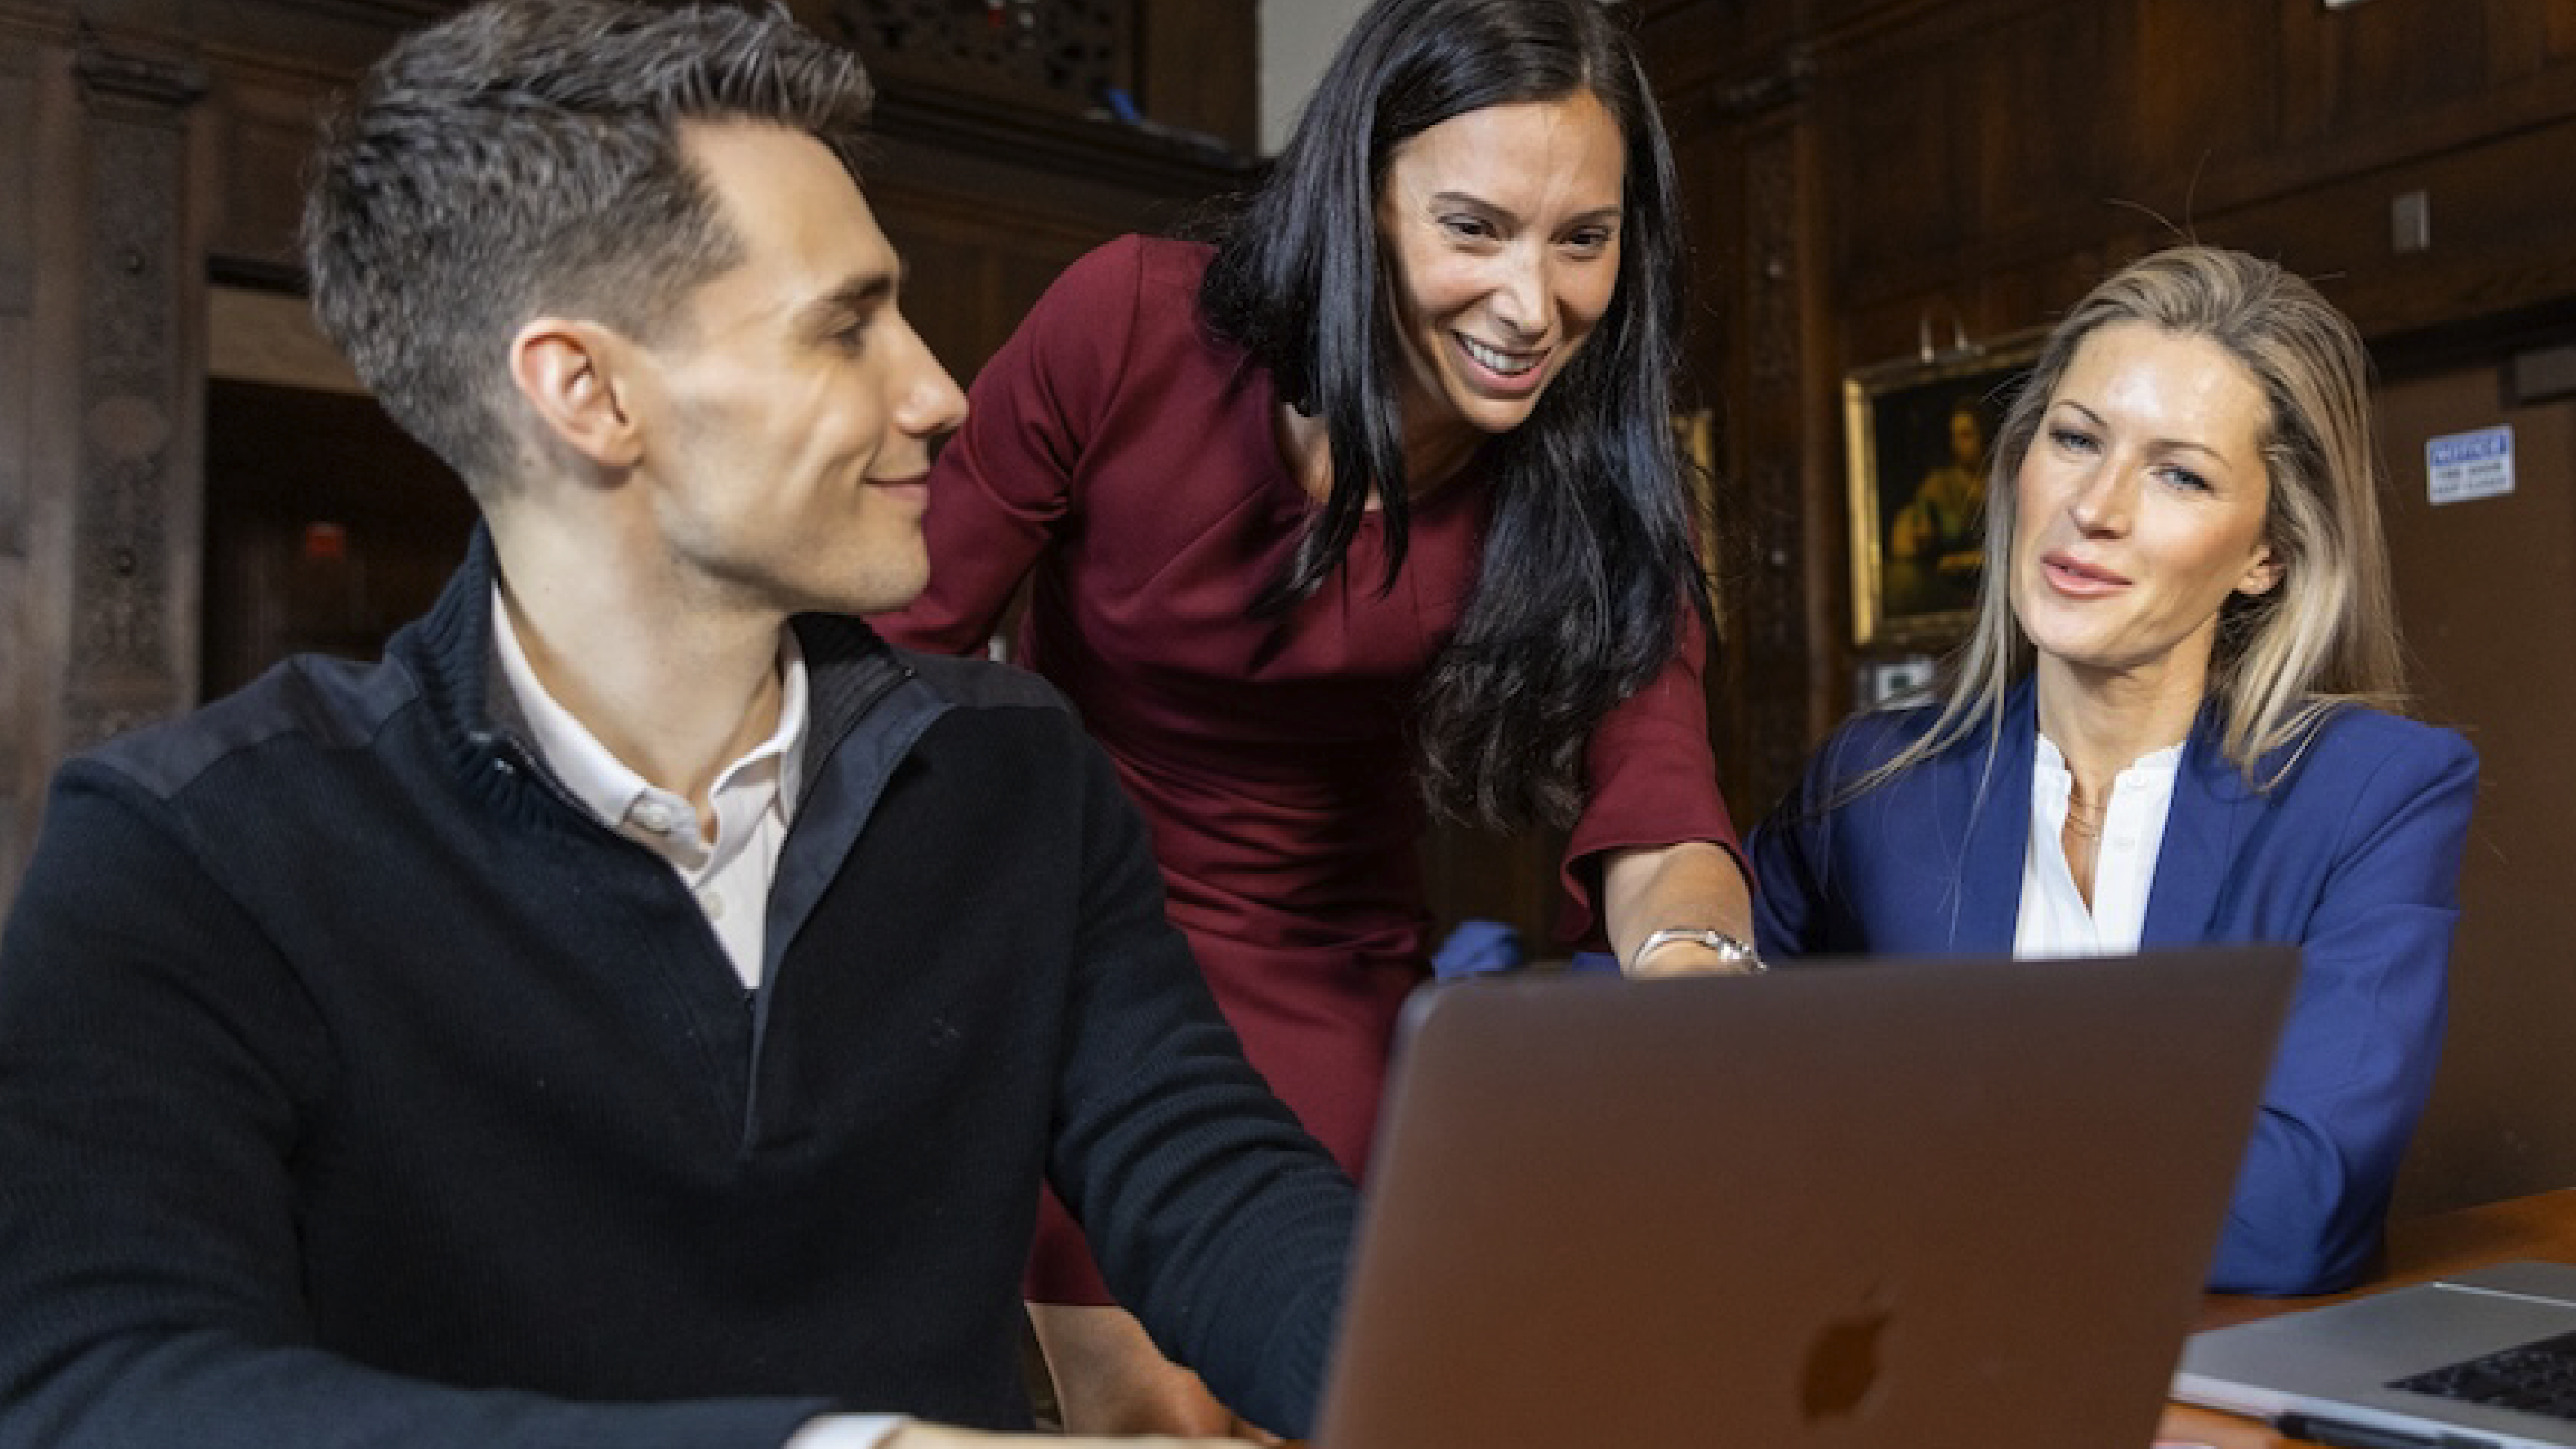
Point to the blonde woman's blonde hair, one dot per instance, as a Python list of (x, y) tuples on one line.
[(2326, 635)]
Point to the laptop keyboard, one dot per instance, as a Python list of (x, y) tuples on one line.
[(2536, 1378)]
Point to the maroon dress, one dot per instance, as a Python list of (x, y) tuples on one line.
[(1126, 464)]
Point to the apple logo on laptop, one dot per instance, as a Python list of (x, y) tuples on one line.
[(1842, 1363)]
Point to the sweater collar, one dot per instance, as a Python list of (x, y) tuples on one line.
[(449, 650)]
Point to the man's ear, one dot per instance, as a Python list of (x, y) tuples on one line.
[(569, 372)]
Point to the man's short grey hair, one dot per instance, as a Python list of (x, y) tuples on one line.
[(524, 158)]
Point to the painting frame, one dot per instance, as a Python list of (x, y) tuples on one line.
[(1917, 511)]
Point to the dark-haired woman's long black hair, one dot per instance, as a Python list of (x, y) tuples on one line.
[(1589, 567)]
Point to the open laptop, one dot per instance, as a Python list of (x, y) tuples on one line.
[(2442, 1363), (1894, 1205)]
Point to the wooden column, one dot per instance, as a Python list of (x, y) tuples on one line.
[(101, 347), (35, 89), (137, 518)]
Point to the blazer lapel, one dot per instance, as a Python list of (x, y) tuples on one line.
[(1999, 836), (2210, 807)]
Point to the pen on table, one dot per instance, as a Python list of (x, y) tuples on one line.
[(2337, 1434)]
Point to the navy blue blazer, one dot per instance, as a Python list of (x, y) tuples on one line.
[(2354, 855)]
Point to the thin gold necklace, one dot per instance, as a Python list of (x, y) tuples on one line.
[(2085, 820)]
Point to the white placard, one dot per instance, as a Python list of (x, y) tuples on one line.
[(2470, 465)]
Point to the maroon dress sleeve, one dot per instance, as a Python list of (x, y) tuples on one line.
[(1650, 780)]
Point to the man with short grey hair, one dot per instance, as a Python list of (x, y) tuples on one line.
[(641, 1009)]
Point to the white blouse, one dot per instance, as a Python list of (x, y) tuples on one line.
[(2054, 919)]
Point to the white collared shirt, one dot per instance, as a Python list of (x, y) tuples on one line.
[(729, 869), (2054, 920)]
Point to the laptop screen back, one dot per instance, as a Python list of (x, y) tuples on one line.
[(1901, 1204)]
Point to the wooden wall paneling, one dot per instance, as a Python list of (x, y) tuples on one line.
[(2022, 159), (987, 212), (1901, 175), (2205, 94), (973, 270), (1197, 67), (2520, 38), (18, 82), (323, 41), (139, 491), (31, 86), (1740, 526), (2048, 106), (2346, 115), (1056, 58), (2374, 65), (948, 290), (1698, 54), (1840, 23), (1792, 609), (2005, 291), (2037, 290), (1745, 132), (2499, 241)]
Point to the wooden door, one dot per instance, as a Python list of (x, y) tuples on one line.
[(2487, 592)]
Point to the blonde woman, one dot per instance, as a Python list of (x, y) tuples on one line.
[(2174, 722)]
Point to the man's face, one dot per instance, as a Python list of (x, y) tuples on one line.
[(787, 418)]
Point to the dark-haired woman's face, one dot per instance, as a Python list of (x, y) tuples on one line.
[(1500, 234)]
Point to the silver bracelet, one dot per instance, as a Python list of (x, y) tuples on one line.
[(1729, 949)]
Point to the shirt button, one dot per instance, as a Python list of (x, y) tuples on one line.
[(655, 816), (712, 902)]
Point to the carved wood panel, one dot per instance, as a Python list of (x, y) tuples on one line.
[(137, 505), (17, 294), (1777, 712), (1057, 54), (21, 677)]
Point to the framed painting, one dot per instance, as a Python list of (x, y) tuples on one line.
[(1917, 432)]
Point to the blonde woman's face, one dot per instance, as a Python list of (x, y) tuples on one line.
[(2141, 505)]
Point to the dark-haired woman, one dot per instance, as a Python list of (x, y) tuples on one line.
[(1376, 502)]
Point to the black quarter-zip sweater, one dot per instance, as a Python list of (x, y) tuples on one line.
[(357, 1088)]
